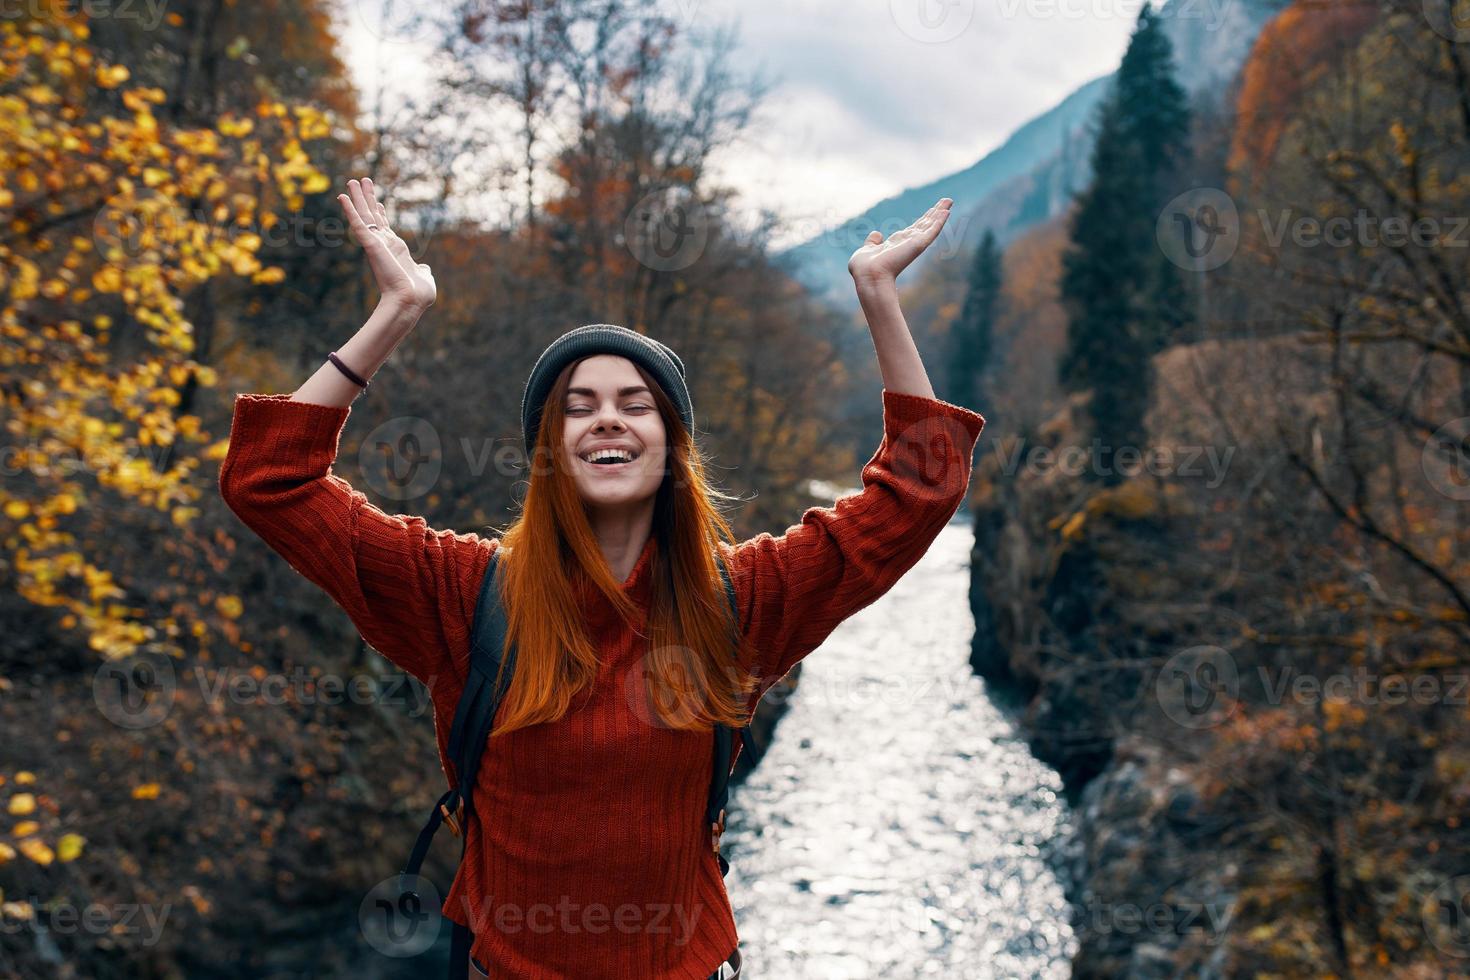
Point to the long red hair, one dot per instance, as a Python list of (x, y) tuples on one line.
[(689, 668)]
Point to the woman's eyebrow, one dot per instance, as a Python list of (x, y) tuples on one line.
[(622, 392)]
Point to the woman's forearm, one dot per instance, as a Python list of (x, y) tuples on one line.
[(364, 353), (898, 359)]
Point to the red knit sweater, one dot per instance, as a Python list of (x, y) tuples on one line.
[(590, 854)]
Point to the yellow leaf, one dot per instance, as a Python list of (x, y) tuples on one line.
[(147, 791), (112, 76), (229, 606), (25, 828), (16, 509), (36, 850), (25, 777), (269, 277), (69, 848), (21, 804), (108, 279)]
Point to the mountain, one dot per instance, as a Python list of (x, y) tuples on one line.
[(1034, 174)]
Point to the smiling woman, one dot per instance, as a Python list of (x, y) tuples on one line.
[(590, 798)]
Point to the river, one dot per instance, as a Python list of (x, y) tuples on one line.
[(898, 825)]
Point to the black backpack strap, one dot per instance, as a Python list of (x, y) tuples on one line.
[(474, 715), (724, 755)]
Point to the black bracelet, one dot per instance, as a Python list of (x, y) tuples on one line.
[(351, 374)]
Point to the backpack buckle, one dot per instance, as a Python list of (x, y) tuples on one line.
[(716, 830), (452, 820)]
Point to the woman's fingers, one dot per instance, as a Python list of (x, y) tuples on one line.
[(380, 213), (354, 220), (357, 222), (359, 200)]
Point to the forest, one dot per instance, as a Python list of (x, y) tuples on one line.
[(1222, 542)]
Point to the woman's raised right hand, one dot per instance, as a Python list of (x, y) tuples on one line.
[(401, 280)]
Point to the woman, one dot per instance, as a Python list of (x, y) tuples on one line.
[(614, 599)]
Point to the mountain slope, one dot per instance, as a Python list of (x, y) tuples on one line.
[(1033, 175)]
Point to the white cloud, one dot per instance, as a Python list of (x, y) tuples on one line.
[(873, 95)]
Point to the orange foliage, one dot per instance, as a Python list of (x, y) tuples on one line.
[(1290, 54)]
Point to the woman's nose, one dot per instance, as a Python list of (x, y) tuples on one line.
[(608, 419)]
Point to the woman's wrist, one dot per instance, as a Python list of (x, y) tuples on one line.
[(874, 285), (400, 314)]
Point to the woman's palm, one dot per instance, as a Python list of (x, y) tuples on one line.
[(399, 277), (880, 258)]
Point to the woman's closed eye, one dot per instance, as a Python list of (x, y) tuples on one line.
[(575, 409)]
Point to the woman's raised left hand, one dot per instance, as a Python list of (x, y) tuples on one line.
[(881, 260)]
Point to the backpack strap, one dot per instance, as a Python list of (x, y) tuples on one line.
[(474, 715), (724, 755)]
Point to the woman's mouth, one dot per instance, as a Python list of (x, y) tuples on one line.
[(608, 464)]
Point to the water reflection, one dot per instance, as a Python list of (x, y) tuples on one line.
[(897, 824)]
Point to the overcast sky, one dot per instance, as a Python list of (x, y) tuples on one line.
[(868, 96)]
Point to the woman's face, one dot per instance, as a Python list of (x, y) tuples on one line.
[(610, 406)]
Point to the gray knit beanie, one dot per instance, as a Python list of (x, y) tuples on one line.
[(602, 338)]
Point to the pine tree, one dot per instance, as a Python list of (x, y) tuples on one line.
[(1123, 297), (972, 332)]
